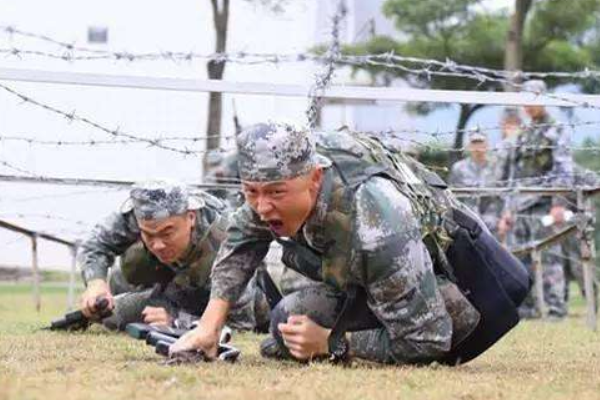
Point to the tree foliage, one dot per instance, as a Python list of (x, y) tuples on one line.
[(558, 36)]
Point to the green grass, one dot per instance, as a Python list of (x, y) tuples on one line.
[(538, 360)]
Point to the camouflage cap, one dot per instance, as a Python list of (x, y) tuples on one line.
[(153, 200), (276, 151), (214, 157), (535, 86), (510, 114), (477, 135)]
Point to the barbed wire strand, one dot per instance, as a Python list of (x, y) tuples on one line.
[(323, 79), (389, 60)]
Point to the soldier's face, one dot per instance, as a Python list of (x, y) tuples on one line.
[(284, 205), (510, 128), (478, 150), (168, 238), (535, 112)]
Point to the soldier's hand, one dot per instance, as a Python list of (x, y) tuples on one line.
[(558, 214), (505, 224), (304, 338), (95, 289), (197, 339), (156, 316)]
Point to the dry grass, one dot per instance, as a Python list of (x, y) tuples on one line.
[(537, 361)]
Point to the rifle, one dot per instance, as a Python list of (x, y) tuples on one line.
[(225, 352), (76, 321), (138, 330), (161, 337), (141, 331)]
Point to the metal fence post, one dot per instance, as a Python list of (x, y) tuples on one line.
[(35, 273), (536, 257), (586, 231)]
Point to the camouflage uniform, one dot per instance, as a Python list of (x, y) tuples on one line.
[(141, 280), (222, 169), (467, 173), (539, 157), (370, 237), (571, 247)]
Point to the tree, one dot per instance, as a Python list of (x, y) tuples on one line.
[(513, 54), (554, 37), (216, 69)]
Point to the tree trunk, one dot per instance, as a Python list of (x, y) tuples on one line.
[(513, 55), (216, 71)]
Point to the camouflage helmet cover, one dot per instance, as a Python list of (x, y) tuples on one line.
[(276, 151), (154, 200)]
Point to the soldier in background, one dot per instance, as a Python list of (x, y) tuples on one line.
[(168, 240), (223, 170), (571, 247), (477, 170), (540, 157)]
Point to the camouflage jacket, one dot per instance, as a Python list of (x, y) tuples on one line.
[(467, 173), (120, 231), (226, 172), (540, 156), (368, 235)]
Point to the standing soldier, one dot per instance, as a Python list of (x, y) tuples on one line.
[(571, 247), (477, 171), (222, 169), (540, 157), (168, 240)]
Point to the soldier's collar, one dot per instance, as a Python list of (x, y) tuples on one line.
[(190, 253), (312, 228), (478, 165)]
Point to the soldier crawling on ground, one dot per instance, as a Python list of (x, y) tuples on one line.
[(168, 240), (354, 218)]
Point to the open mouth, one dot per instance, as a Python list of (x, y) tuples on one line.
[(276, 226)]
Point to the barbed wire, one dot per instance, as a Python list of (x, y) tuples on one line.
[(390, 60), (23, 199), (16, 169), (233, 183), (241, 57), (323, 79), (104, 183), (45, 217), (116, 132), (390, 134), (30, 140)]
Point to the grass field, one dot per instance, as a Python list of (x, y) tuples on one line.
[(538, 360)]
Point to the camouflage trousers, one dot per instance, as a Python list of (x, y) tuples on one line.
[(134, 285), (573, 266), (323, 304), (528, 229)]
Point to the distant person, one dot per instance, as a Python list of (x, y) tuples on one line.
[(512, 126), (476, 170), (223, 170), (168, 240), (541, 157), (511, 123), (571, 247)]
